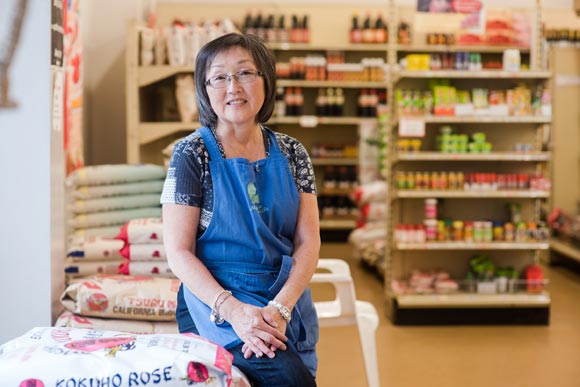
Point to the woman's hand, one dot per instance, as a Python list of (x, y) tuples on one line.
[(272, 316), (261, 335)]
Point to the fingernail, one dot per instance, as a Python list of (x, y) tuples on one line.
[(271, 355)]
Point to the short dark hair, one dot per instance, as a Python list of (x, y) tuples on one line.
[(263, 58)]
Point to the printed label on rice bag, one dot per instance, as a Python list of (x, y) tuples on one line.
[(67, 357), (124, 297)]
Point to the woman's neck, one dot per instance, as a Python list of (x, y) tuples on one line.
[(242, 142)]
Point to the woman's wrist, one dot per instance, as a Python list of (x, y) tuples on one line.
[(284, 311)]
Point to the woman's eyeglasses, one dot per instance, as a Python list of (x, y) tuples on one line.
[(244, 76)]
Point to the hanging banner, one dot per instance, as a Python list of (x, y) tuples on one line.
[(472, 11), (73, 89)]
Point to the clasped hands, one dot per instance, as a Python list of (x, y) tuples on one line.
[(261, 329)]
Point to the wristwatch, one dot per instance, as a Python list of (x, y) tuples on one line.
[(284, 311)]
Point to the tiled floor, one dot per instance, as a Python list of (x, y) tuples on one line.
[(457, 356)]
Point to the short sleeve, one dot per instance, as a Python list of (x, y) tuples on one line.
[(183, 184), (300, 163)]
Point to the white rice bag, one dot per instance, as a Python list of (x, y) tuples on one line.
[(49, 356)]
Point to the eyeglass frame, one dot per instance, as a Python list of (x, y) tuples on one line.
[(229, 77)]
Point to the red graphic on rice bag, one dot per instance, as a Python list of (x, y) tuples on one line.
[(98, 302), (155, 270), (31, 383), (197, 373), (111, 344), (153, 236), (156, 254)]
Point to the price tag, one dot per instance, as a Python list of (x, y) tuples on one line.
[(411, 127), (308, 121)]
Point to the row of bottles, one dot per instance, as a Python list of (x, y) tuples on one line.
[(329, 102), (272, 30), (369, 31)]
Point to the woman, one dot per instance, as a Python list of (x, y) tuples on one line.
[(240, 220)]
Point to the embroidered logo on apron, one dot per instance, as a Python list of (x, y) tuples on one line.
[(255, 199)]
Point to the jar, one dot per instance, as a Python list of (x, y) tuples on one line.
[(498, 233), (457, 231), (478, 232), (509, 232), (487, 231), (430, 208), (401, 180), (468, 232), (441, 231), (430, 229), (521, 232)]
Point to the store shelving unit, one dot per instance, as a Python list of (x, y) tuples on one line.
[(146, 137), (406, 206)]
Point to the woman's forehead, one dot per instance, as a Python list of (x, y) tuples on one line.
[(233, 55)]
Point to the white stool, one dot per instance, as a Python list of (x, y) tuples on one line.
[(345, 310)]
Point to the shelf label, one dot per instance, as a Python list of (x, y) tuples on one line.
[(411, 127), (308, 121)]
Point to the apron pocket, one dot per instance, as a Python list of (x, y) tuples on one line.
[(285, 269)]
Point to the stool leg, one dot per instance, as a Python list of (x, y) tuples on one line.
[(367, 326)]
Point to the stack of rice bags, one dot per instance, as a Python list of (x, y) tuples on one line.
[(370, 237), (141, 296), (100, 199), (137, 304), (143, 250)]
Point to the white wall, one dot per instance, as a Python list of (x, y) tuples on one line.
[(25, 167)]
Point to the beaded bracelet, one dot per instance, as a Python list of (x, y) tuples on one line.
[(215, 316), (284, 311)]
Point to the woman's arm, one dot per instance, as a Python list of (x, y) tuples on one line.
[(180, 224), (306, 251)]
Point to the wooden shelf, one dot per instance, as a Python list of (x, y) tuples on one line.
[(481, 74), (482, 119), (473, 246), (528, 194), (457, 48), (473, 300), (147, 75), (337, 224), (343, 84), (153, 131), (334, 161), (308, 121), (370, 47), (492, 156), (565, 248)]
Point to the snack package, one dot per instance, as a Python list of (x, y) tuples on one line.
[(122, 296), (49, 356)]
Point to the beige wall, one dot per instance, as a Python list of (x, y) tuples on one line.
[(104, 25)]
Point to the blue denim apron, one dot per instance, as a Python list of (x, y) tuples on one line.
[(249, 242)]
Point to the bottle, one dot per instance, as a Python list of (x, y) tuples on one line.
[(355, 31), (299, 101), (331, 102), (294, 30), (339, 102), (321, 103), (280, 110), (368, 35), (271, 34), (259, 26), (249, 25), (282, 31), (289, 102), (305, 31), (380, 30)]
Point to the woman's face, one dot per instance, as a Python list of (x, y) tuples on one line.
[(236, 103)]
